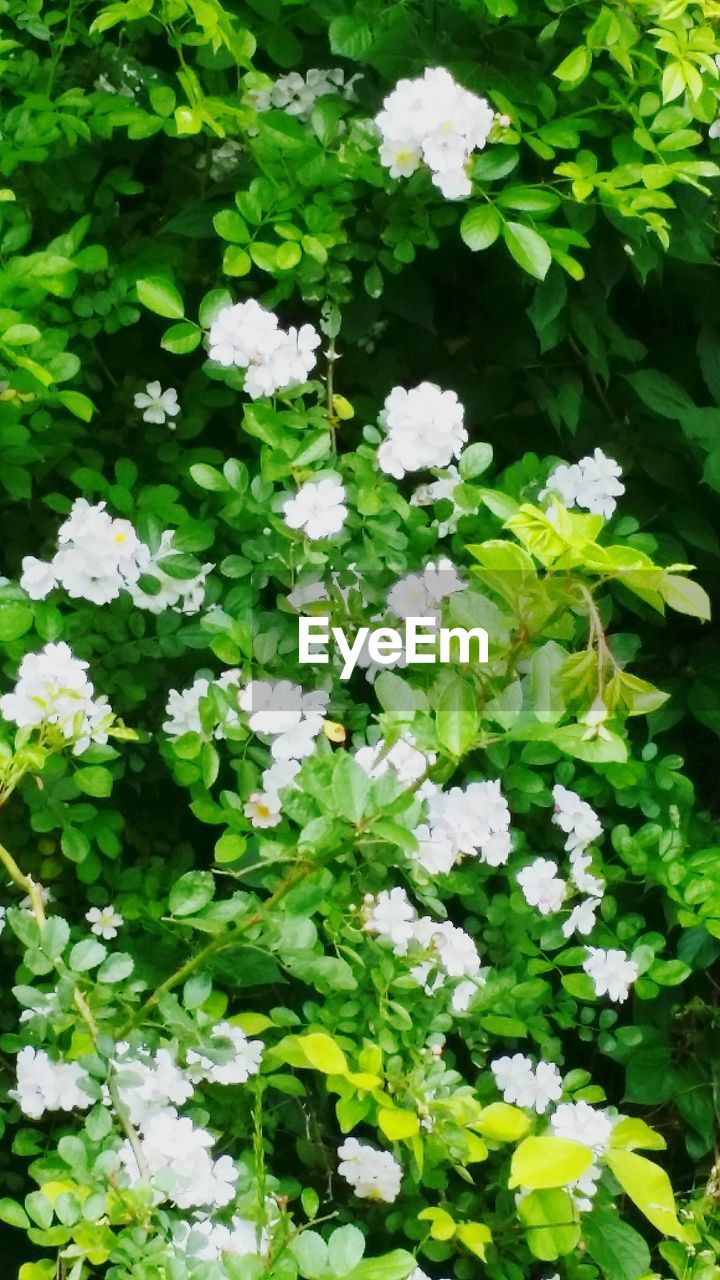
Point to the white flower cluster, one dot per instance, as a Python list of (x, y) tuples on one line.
[(474, 821), (235, 1058), (98, 557), (433, 121), (372, 1174), (177, 1153), (403, 756), (443, 949), (44, 1085), (612, 973), (247, 336), (183, 707), (593, 483), (52, 691), (178, 1159), (203, 1240), (318, 508), (525, 1085), (424, 428), (291, 720), (297, 94), (419, 594)]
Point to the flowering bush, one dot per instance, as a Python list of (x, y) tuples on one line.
[(361, 967)]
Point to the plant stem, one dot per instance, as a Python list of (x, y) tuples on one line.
[(26, 883)]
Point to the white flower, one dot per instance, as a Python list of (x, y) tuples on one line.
[(435, 851), (456, 950), (541, 886), (403, 756), (442, 490), (582, 878), (317, 508), (246, 335), (3, 913), (53, 691), (158, 405), (280, 775), (44, 1085), (582, 1191), (527, 1086), (579, 1122), (612, 973), (392, 916), (462, 996), (424, 428), (593, 483), (147, 1082), (183, 708), (179, 1162), (298, 94), (476, 820), (372, 1174), (38, 578), (206, 1241), (283, 712), (307, 593), (714, 130), (576, 818), (262, 810), (183, 594), (434, 120), (105, 921), (581, 919), (235, 1058)]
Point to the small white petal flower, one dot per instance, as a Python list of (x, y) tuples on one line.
[(104, 921), (157, 405)]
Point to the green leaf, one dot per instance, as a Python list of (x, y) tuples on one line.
[(575, 67), (474, 460), (548, 1162), (181, 338), (323, 1053), (346, 1247), (160, 295), (660, 393), (528, 248), (209, 478), (15, 620), (14, 1214), (619, 1250), (117, 968), (191, 893), (230, 847), (480, 227), (685, 596), (350, 38), (456, 718), (311, 1253), (648, 1186), (94, 780), (550, 1220), (87, 955), (350, 788), (397, 1124)]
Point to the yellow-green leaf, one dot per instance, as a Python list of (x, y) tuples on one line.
[(502, 1122), (648, 1186), (442, 1225), (398, 1124), (630, 1133), (323, 1053), (475, 1236), (548, 1162)]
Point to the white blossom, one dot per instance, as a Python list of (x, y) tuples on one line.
[(149, 1082), (235, 1057), (297, 94), (245, 335), (576, 818), (593, 484), (612, 973), (281, 711), (581, 919), (435, 121), (183, 708), (52, 690), (579, 1122), (44, 1085), (318, 508), (178, 1159), (392, 916), (476, 820), (263, 810), (104, 921), (424, 428), (372, 1174), (185, 595), (403, 756), (525, 1085), (541, 886), (206, 1241), (157, 405)]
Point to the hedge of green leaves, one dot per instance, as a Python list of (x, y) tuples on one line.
[(280, 1024)]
